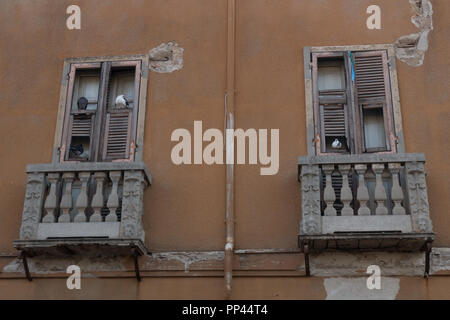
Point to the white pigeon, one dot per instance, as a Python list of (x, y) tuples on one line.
[(122, 102), (336, 144)]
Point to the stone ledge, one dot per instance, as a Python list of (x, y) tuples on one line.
[(88, 247), (193, 263)]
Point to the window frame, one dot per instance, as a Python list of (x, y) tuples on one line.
[(393, 113), (66, 96)]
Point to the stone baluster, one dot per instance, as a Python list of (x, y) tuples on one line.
[(396, 193), (66, 201), (82, 200), (133, 205), (113, 199), (97, 200), (380, 192), (51, 202), (329, 195), (362, 192), (346, 192)]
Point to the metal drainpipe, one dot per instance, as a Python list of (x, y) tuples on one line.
[(229, 118)]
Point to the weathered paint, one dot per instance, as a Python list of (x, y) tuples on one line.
[(411, 48), (166, 58), (356, 289), (185, 207)]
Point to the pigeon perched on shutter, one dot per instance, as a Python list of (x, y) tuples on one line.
[(336, 144), (122, 102), (82, 103), (78, 150)]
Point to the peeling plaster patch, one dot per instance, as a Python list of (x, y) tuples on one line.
[(46, 265), (187, 258), (356, 289), (440, 260), (336, 264), (166, 58), (411, 48)]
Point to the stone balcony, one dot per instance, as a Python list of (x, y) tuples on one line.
[(85, 208), (366, 202)]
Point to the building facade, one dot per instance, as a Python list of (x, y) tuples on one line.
[(219, 149)]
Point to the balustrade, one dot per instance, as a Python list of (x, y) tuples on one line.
[(364, 193), (84, 200)]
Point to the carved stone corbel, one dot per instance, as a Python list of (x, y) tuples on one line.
[(132, 205), (418, 197), (311, 217), (32, 207)]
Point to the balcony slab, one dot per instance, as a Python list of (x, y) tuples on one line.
[(366, 241), (382, 223), (78, 229), (86, 247)]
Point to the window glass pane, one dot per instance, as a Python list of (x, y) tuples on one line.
[(86, 86), (121, 83), (331, 75), (374, 132)]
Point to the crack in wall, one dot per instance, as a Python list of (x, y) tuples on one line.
[(411, 48)]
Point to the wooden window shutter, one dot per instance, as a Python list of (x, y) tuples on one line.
[(80, 133), (120, 124), (331, 102), (117, 134), (334, 120), (372, 91), (79, 124)]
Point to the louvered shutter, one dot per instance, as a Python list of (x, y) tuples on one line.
[(372, 86), (80, 129), (117, 135), (333, 111), (334, 124), (81, 125), (331, 102), (119, 130), (370, 77)]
